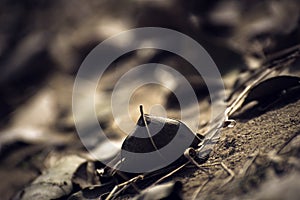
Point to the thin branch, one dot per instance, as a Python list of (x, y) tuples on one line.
[(148, 131), (247, 165), (170, 174), (199, 189), (123, 185), (230, 172), (287, 142)]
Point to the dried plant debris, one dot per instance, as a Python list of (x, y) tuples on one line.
[(28, 126), (270, 90), (257, 158), (111, 184), (286, 187), (171, 190), (85, 175), (93, 192), (270, 69), (54, 182), (257, 150), (255, 30), (145, 137)]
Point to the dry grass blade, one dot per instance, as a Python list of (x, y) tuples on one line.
[(121, 187), (230, 172), (287, 142), (246, 167), (199, 189), (170, 174)]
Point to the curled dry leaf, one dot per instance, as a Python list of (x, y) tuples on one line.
[(153, 133), (85, 175), (27, 125), (53, 183), (271, 89)]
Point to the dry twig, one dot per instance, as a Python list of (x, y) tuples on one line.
[(121, 187), (249, 162), (230, 172), (199, 189)]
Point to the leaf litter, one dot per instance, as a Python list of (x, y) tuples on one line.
[(218, 174), (89, 189), (121, 187)]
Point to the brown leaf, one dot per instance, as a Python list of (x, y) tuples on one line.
[(54, 182)]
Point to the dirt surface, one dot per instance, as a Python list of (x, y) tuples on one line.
[(259, 152)]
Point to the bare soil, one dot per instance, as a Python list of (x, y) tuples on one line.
[(258, 151)]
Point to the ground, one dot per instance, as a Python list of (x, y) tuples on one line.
[(259, 152), (42, 46)]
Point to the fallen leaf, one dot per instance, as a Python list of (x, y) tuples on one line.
[(93, 193), (53, 183), (171, 190), (271, 89)]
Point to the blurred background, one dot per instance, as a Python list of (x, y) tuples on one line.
[(43, 42)]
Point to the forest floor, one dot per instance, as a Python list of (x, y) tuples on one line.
[(42, 47)]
